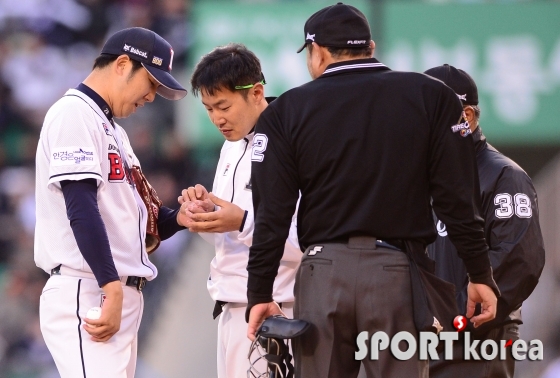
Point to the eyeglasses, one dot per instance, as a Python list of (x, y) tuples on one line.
[(263, 82)]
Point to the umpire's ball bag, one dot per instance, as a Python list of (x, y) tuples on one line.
[(433, 299)]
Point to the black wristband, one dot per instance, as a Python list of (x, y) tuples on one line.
[(243, 221)]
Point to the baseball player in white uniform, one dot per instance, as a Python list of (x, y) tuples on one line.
[(91, 222), (230, 82)]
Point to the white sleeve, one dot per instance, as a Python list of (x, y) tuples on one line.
[(292, 251), (72, 144), (292, 241)]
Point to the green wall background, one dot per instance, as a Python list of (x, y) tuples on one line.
[(511, 49)]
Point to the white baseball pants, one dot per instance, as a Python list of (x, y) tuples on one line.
[(63, 306)]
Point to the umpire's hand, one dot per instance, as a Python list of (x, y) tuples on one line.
[(258, 314), (483, 294)]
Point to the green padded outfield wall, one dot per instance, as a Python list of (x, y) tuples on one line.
[(511, 49)]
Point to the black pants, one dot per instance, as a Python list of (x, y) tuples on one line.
[(343, 290), (459, 368)]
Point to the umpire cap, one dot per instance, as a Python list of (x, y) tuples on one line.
[(458, 80), (339, 25), (155, 54)]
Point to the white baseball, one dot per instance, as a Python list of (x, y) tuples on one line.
[(93, 313)]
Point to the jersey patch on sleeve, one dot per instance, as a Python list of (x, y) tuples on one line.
[(73, 155), (519, 204), (462, 128)]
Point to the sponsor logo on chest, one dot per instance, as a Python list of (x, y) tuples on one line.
[(73, 155)]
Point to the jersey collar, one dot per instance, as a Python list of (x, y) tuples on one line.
[(354, 65), (97, 99)]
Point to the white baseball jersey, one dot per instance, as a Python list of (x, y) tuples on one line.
[(78, 142), (228, 269)]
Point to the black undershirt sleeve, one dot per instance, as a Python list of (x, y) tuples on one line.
[(88, 228), (167, 222)]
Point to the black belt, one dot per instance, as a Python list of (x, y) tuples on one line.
[(218, 308), (370, 242), (137, 282), (134, 281), (396, 244)]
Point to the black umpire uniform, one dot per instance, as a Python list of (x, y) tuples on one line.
[(512, 230), (367, 147)]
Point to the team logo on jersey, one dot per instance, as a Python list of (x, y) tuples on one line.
[(116, 170), (226, 170), (64, 156), (157, 61), (106, 128), (135, 51)]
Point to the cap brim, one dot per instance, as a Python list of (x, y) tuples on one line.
[(302, 47), (169, 87)]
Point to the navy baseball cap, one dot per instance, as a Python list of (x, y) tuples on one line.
[(461, 82), (339, 25), (155, 54)]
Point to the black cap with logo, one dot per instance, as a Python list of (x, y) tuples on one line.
[(338, 25), (458, 80), (155, 54)]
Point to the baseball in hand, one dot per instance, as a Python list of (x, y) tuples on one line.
[(93, 313)]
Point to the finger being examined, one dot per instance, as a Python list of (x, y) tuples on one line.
[(204, 217)]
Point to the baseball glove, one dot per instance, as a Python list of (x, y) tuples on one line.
[(153, 203)]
